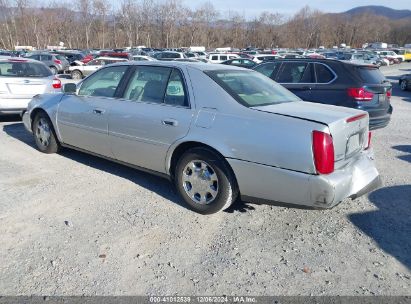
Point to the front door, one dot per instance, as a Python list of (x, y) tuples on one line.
[(153, 113), (83, 117)]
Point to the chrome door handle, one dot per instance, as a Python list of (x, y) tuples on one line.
[(98, 111), (169, 122)]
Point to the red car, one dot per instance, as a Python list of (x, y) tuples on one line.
[(88, 58), (116, 54)]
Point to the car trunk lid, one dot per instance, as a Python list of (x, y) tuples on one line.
[(24, 87), (348, 127)]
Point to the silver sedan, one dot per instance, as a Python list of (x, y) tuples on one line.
[(218, 132)]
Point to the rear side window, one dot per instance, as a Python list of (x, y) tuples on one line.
[(23, 69), (214, 57), (324, 74), (371, 75), (157, 85), (175, 92), (223, 57)]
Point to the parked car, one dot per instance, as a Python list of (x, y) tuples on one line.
[(216, 131), (72, 56), (55, 64), (20, 80), (405, 82), (143, 58), (201, 54), (80, 71), (265, 57), (191, 55), (169, 55), (360, 58), (335, 82), (6, 54), (391, 54), (114, 54), (220, 57), (240, 62)]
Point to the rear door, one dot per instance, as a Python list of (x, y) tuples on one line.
[(154, 112), (82, 118), (298, 77)]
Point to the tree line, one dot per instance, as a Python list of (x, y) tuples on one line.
[(170, 23)]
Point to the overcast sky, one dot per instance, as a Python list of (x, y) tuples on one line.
[(251, 8)]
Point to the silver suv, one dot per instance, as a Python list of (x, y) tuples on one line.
[(56, 63)]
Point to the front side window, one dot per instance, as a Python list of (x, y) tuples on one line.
[(267, 69), (251, 89), (103, 83)]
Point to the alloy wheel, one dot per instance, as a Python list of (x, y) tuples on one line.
[(200, 182)]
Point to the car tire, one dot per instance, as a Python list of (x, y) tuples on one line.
[(403, 85), (44, 134), (53, 70), (205, 181), (76, 75)]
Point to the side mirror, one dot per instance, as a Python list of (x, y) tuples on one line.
[(70, 88)]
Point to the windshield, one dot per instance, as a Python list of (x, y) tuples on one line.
[(23, 69), (251, 89)]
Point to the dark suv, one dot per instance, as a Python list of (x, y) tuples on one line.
[(335, 82)]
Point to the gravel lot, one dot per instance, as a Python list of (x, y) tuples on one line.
[(74, 224)]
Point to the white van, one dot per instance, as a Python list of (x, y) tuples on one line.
[(218, 58)]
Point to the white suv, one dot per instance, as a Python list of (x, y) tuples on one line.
[(220, 57)]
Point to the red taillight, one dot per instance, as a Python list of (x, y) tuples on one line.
[(56, 83), (323, 150), (369, 141), (389, 94), (360, 94), (57, 61)]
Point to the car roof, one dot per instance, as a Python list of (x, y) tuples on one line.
[(18, 59), (110, 58), (322, 60), (178, 64)]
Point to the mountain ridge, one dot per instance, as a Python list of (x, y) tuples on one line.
[(379, 10)]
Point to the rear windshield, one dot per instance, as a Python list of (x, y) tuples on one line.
[(23, 69), (371, 75), (251, 89)]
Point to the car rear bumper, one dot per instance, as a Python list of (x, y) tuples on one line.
[(264, 183), (27, 121), (13, 105), (378, 122)]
